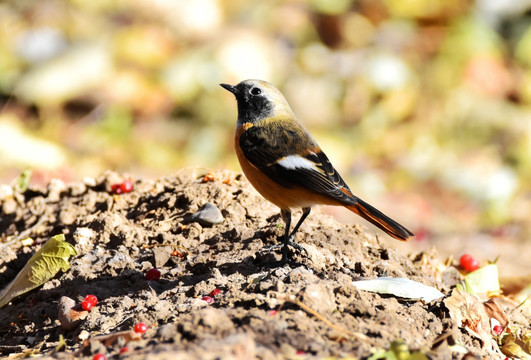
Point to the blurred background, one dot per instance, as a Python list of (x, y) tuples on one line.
[(423, 105)]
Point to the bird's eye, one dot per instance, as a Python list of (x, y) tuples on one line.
[(256, 91)]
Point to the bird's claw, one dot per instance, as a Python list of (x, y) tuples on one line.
[(290, 242)]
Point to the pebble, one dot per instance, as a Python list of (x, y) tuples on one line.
[(208, 215), (6, 191), (55, 188), (9, 206), (84, 239), (161, 255), (68, 316), (319, 296)]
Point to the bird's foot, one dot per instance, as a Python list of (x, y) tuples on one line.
[(284, 247)]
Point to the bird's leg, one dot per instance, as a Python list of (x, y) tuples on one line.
[(286, 216), (305, 213), (289, 239)]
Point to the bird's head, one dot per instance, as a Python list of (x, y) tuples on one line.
[(257, 100)]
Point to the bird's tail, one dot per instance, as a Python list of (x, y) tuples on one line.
[(380, 220)]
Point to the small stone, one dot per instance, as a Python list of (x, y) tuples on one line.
[(88, 181), (320, 297), (208, 215), (9, 206), (84, 239), (55, 188), (68, 316), (161, 255), (83, 335), (451, 276), (6, 191), (78, 189)]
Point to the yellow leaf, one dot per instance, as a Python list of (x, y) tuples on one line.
[(43, 265), (513, 347)]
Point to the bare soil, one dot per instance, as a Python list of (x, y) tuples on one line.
[(317, 312)]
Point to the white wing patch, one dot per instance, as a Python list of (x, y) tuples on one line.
[(296, 162)]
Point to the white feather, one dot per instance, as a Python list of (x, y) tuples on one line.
[(296, 162)]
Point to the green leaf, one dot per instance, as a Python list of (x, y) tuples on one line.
[(43, 266), (23, 180), (397, 351), (482, 281)]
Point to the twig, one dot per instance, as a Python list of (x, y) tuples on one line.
[(172, 245), (24, 234)]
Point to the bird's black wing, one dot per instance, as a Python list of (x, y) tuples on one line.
[(287, 153)]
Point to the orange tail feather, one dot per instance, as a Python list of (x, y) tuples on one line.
[(377, 218)]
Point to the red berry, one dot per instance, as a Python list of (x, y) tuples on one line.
[(153, 274), (273, 312), (497, 329), (300, 352), (116, 188), (140, 328), (99, 357), (124, 350), (91, 299), (127, 186), (85, 305), (468, 262), (208, 299), (215, 292)]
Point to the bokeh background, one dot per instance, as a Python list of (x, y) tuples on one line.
[(423, 105)]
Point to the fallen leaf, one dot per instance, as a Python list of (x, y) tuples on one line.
[(494, 311), (483, 281), (23, 180), (43, 265), (469, 312), (397, 351), (400, 287), (517, 347)]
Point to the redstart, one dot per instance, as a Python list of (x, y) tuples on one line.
[(284, 163)]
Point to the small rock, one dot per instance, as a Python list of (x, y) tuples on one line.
[(9, 206), (84, 239), (88, 181), (55, 188), (451, 276), (319, 297), (320, 259), (83, 335), (208, 215), (78, 189), (161, 255), (68, 316), (6, 191), (301, 275)]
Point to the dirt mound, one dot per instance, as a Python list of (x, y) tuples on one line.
[(308, 306)]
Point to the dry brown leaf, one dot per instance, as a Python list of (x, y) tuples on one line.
[(469, 313), (494, 311)]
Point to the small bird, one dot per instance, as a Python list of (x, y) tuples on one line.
[(287, 167)]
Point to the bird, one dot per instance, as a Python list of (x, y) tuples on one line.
[(284, 163)]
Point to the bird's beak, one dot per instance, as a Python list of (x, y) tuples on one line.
[(230, 88)]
